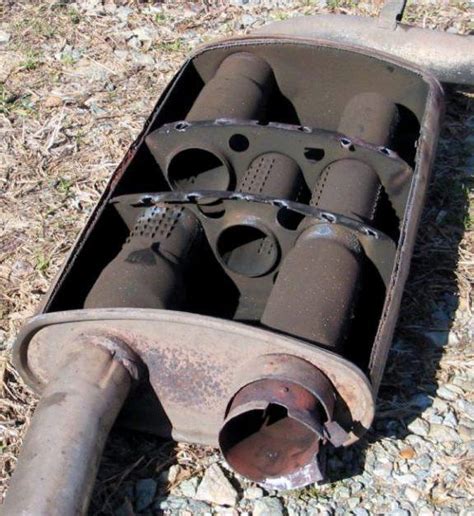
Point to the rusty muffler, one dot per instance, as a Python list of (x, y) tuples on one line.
[(239, 282)]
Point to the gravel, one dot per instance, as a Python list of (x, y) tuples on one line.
[(77, 80)]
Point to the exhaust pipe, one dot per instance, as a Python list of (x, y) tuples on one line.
[(277, 425), (57, 467)]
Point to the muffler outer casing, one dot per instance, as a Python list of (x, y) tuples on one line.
[(197, 364)]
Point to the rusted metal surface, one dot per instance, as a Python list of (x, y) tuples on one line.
[(275, 426), (239, 89), (196, 365), (450, 57), (273, 199), (57, 466)]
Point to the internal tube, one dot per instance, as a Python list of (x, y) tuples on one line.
[(348, 187), (274, 174), (370, 117), (316, 289), (150, 269), (239, 90), (60, 456)]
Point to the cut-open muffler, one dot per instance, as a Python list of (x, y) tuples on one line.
[(239, 281)]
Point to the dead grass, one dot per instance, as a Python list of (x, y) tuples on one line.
[(73, 96)]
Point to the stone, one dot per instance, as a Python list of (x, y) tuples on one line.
[(145, 491), (419, 427), (467, 407), (446, 393), (421, 400), (227, 511), (188, 487), (466, 433), (8, 62), (268, 506), (215, 488), (252, 493), (4, 37), (360, 512), (405, 479), (425, 511), (450, 420), (437, 338), (353, 502), (407, 453), (412, 494), (442, 433), (53, 101)]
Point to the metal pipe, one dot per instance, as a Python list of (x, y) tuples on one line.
[(239, 90), (60, 456), (450, 57)]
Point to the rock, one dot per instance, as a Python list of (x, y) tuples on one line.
[(145, 492), (466, 433), (143, 59), (421, 400), (442, 433), (189, 487), (268, 506), (419, 427), (446, 393), (53, 101), (450, 420), (4, 37), (425, 511), (247, 20), (227, 511), (353, 502), (405, 479), (171, 474), (252, 493), (437, 338), (360, 512), (215, 488), (407, 453), (467, 407), (8, 62), (412, 494)]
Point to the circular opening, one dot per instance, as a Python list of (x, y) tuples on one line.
[(247, 250), (289, 219), (198, 169), (371, 232), (263, 444), (329, 217), (239, 143), (347, 144), (181, 126)]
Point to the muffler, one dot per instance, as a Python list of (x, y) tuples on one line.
[(239, 281)]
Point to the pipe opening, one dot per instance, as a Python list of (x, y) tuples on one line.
[(269, 443), (198, 169)]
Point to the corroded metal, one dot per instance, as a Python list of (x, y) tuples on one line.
[(450, 57), (251, 252), (60, 456)]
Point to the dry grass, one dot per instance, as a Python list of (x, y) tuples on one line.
[(74, 93)]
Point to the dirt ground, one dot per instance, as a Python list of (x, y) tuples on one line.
[(77, 80)]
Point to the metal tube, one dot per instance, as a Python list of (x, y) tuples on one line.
[(450, 57), (239, 90), (60, 456)]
